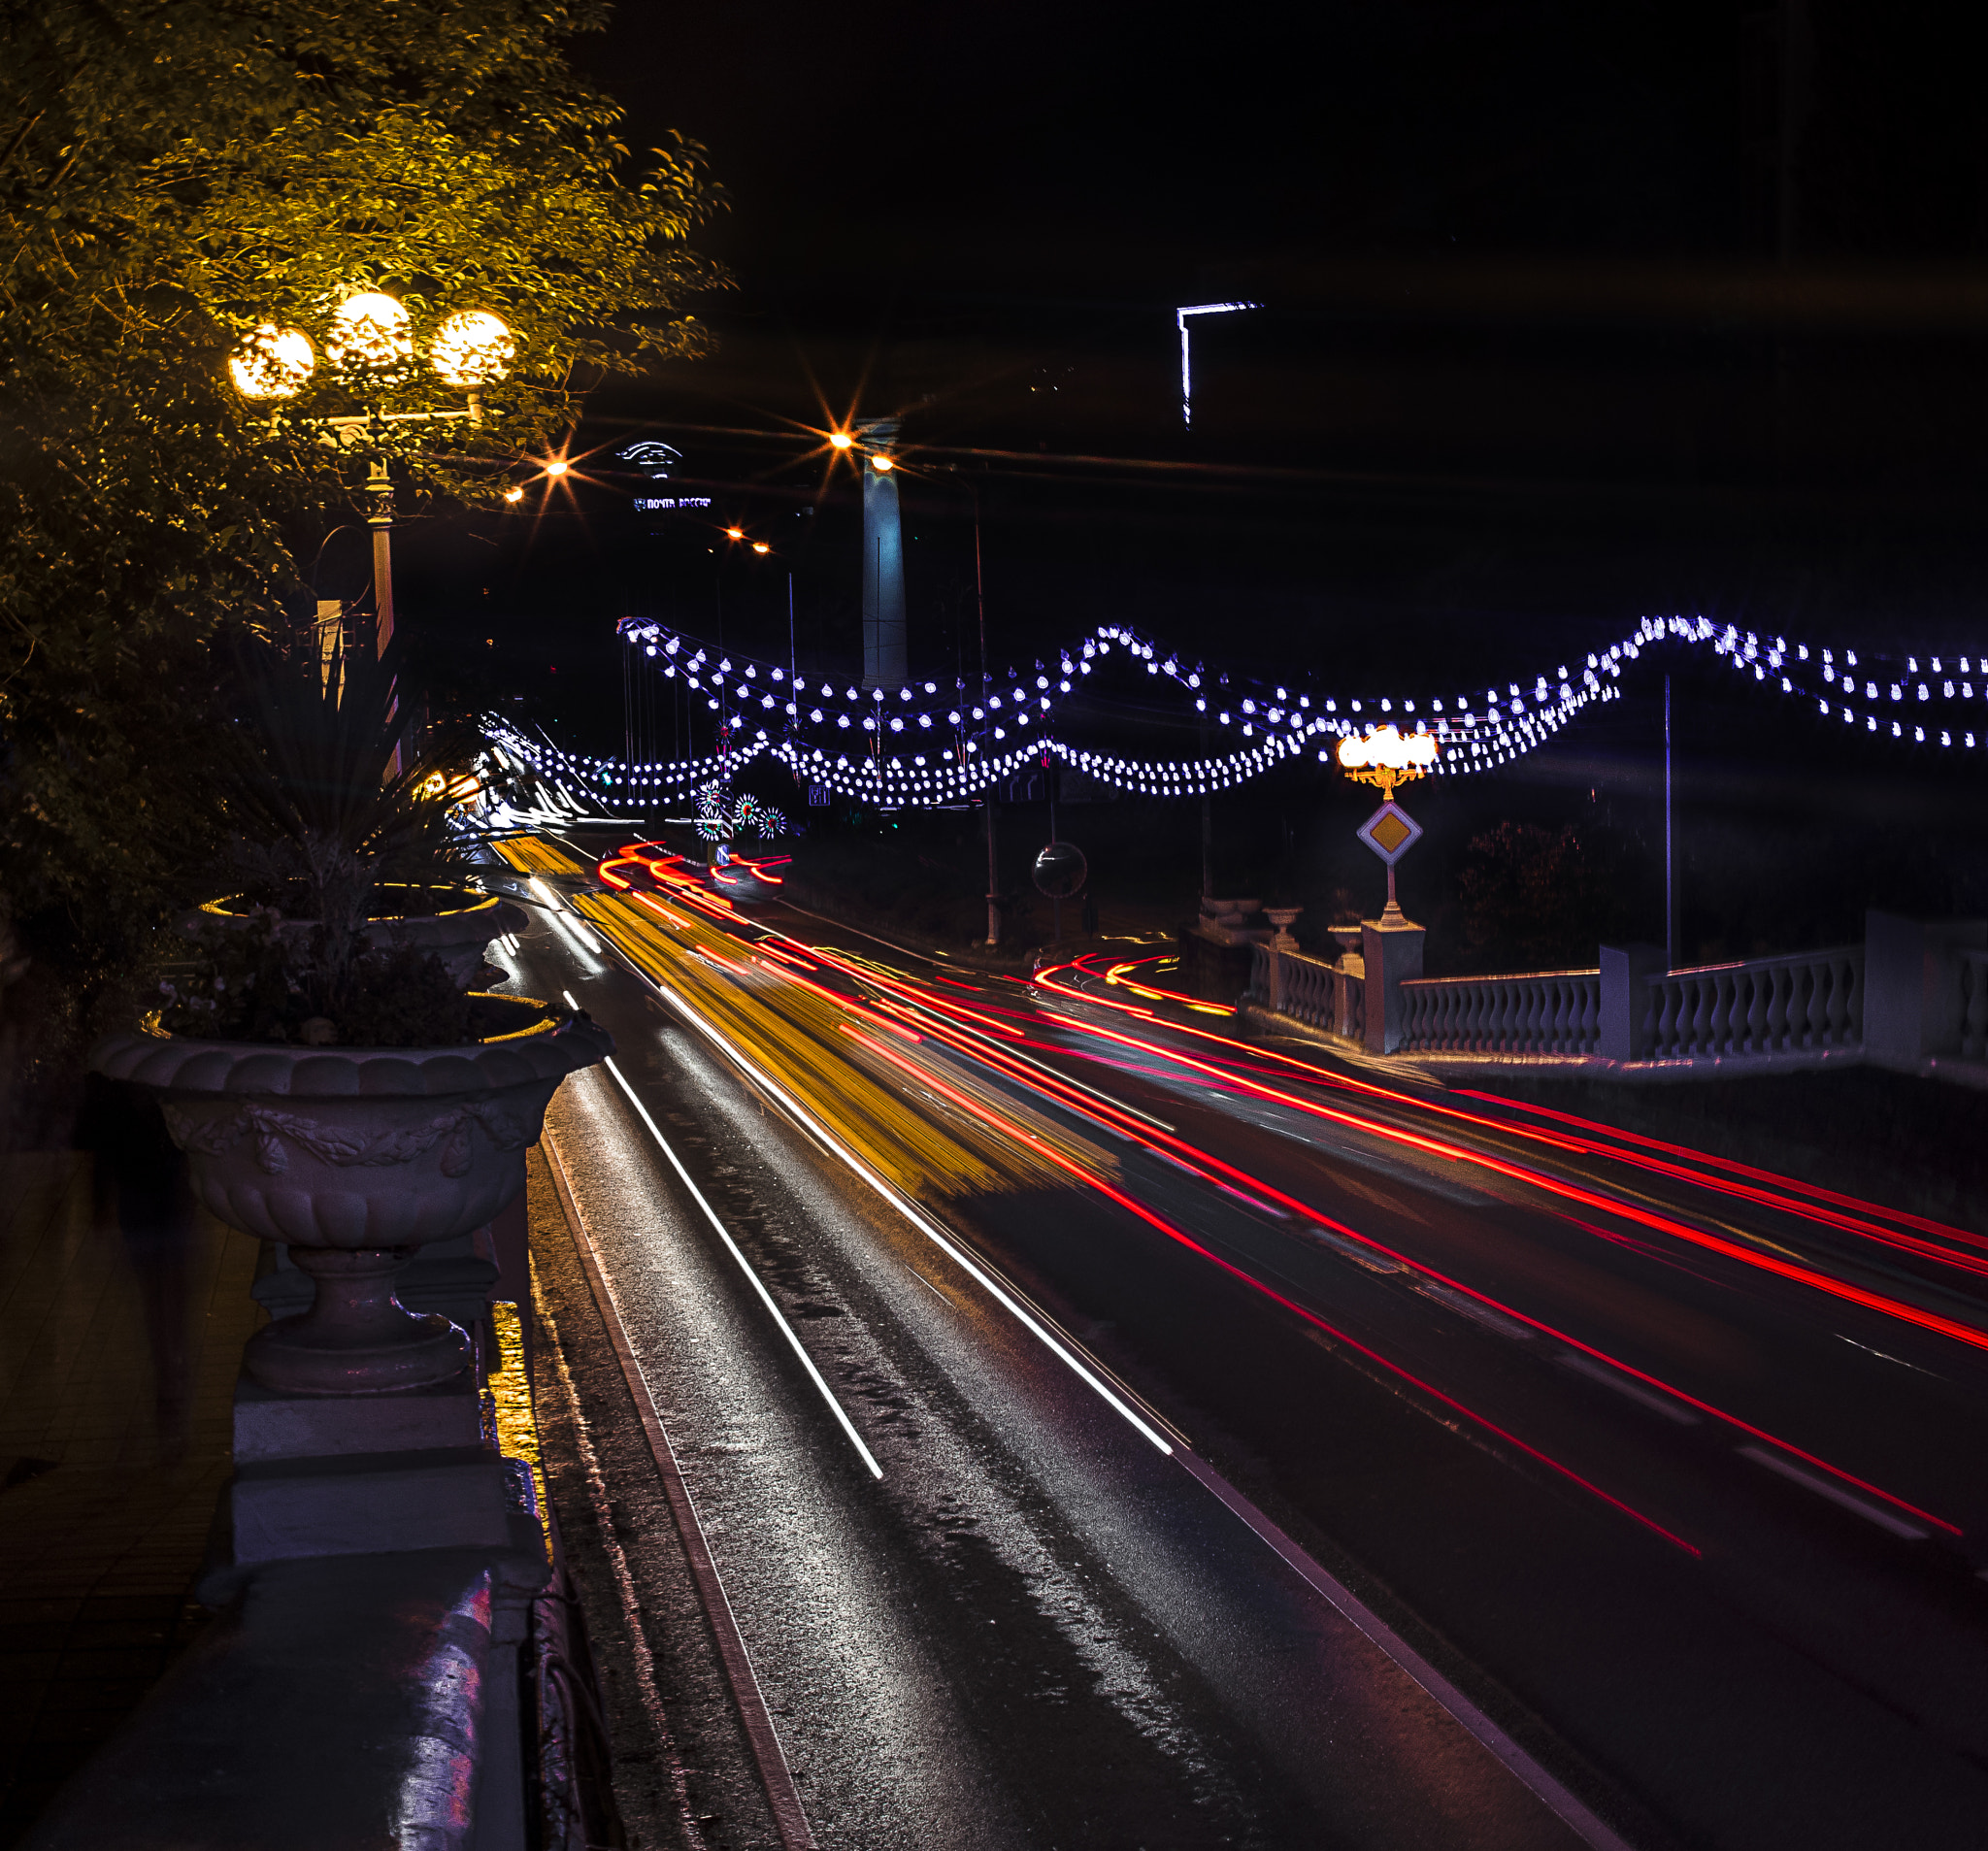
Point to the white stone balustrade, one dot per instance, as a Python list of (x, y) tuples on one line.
[(1329, 996), (1804, 1002), (1913, 996), (1540, 1013)]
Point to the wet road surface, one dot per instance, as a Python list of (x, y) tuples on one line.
[(1677, 1483)]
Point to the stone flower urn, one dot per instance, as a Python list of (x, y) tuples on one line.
[(356, 1157), (1283, 919), (450, 924)]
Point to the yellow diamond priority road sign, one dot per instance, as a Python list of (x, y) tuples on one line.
[(1390, 832)]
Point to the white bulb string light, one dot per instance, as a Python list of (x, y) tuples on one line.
[(1927, 701)]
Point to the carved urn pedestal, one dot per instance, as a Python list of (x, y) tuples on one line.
[(360, 1424)]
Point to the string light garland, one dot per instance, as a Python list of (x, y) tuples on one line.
[(921, 747)]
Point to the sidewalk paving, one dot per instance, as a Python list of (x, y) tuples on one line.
[(123, 1335)]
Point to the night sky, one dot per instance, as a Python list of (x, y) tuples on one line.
[(1570, 314)]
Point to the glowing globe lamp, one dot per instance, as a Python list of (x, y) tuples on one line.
[(273, 363), (1387, 749), (472, 349), (840, 439), (370, 331)]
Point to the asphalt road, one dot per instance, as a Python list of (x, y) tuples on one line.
[(1671, 1470)]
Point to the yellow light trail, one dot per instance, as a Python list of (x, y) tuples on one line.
[(804, 1037), (531, 856)]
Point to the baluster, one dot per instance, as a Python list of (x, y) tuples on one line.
[(1835, 1035), (1478, 1018), (1781, 977), (1823, 1010), (1760, 987), (1590, 1014), (1812, 1017), (1701, 1004), (1656, 1006)]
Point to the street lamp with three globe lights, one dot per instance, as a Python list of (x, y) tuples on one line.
[(370, 346)]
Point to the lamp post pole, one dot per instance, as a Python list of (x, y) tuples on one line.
[(980, 602), (1208, 826), (380, 518), (1670, 947)]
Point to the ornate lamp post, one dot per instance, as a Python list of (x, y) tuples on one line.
[(371, 345), (1388, 758), (1390, 946)]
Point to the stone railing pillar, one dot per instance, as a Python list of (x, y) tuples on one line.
[(1912, 998), (1626, 998), (1391, 952)]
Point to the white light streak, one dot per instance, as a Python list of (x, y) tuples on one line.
[(758, 1285)]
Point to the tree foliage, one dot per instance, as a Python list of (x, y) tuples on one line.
[(174, 173)]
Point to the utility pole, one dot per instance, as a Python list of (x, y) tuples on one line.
[(1671, 910), (1208, 826), (980, 600), (1052, 769)]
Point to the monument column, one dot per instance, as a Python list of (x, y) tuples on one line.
[(884, 662)]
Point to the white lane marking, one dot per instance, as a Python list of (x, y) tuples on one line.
[(1885, 1356), (1467, 1306), (904, 1205), (1608, 1378), (1822, 1488), (570, 1003), (758, 1285), (1368, 1257), (1557, 1800), (1201, 1175)]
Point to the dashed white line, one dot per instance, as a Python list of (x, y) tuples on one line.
[(1608, 1378), (1822, 1488)]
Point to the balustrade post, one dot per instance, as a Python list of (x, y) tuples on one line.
[(1391, 951)]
